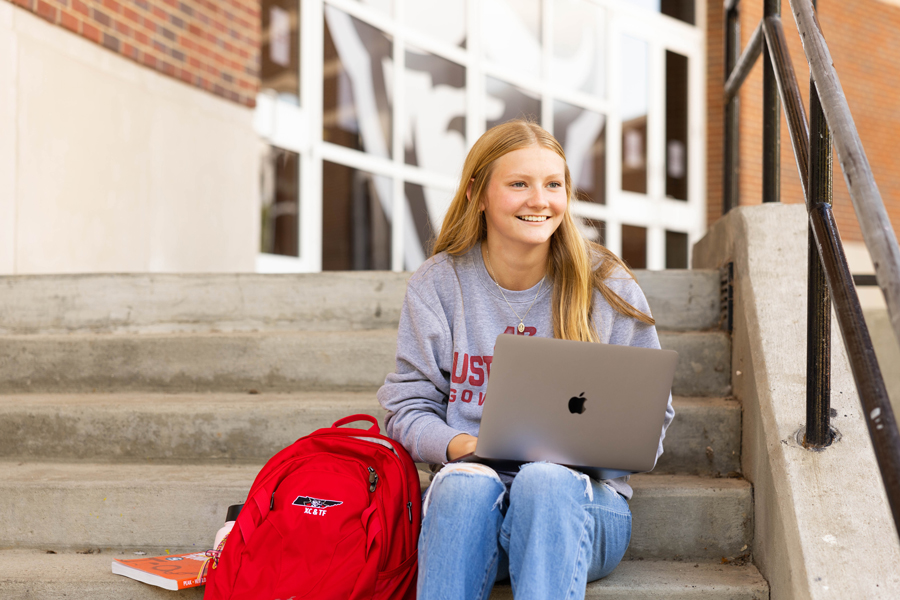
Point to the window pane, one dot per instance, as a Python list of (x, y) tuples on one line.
[(579, 46), (280, 60), (436, 113), (357, 106), (442, 20), (428, 207), (511, 34), (507, 102), (356, 230), (634, 246), (635, 103), (593, 230), (582, 134), (676, 125), (676, 250), (280, 223), (683, 10)]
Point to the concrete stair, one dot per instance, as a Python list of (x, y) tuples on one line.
[(272, 361), (35, 574), (53, 505), (135, 408), (241, 428)]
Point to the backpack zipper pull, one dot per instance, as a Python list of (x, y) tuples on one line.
[(373, 479), (409, 510), (272, 502)]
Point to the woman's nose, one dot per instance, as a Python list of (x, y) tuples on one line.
[(540, 197)]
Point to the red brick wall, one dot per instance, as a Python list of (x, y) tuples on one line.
[(210, 44), (715, 108), (864, 39)]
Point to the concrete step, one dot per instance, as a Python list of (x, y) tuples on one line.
[(57, 506), (687, 517), (683, 299), (165, 303), (274, 361), (34, 574), (704, 438)]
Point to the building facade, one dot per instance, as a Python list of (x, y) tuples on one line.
[(307, 135)]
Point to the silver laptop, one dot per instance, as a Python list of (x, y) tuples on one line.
[(595, 407)]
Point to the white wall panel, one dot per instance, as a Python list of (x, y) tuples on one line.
[(7, 141), (122, 169)]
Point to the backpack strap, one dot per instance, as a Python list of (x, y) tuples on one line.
[(374, 428)]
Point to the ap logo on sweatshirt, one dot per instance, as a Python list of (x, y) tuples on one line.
[(315, 506)]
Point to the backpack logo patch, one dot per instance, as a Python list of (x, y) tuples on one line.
[(315, 506)]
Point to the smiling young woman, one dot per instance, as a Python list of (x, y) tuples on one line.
[(509, 259)]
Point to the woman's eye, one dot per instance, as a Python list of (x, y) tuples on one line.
[(555, 184), (519, 184)]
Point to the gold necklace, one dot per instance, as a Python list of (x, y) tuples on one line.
[(521, 326)]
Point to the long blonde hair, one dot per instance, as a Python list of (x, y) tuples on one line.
[(570, 262)]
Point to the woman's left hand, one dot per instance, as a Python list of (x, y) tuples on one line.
[(461, 445)]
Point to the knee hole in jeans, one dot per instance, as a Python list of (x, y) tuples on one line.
[(464, 469)]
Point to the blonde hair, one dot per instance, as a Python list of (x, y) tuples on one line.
[(570, 262)]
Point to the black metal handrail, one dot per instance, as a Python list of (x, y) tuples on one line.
[(829, 274)]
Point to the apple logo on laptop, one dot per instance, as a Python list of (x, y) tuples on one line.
[(576, 404)]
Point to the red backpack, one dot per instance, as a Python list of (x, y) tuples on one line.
[(334, 515)]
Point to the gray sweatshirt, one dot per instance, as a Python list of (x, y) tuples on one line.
[(449, 322)]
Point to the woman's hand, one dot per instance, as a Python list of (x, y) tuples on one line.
[(461, 445)]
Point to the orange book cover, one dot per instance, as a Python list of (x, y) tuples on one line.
[(173, 572)]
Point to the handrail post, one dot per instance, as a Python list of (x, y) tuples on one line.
[(771, 185), (732, 54), (818, 315)]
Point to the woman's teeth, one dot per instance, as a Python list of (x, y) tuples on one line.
[(533, 218)]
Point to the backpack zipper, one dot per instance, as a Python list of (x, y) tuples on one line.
[(373, 479)]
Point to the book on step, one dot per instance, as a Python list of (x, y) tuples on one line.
[(172, 572)]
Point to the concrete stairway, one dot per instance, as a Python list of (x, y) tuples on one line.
[(135, 408)]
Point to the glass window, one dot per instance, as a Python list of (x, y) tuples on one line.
[(676, 250), (676, 125), (593, 230), (683, 10), (635, 102), (505, 102), (582, 134), (442, 20), (428, 207), (579, 46), (436, 113), (356, 228), (280, 232), (357, 103), (280, 60), (634, 246), (511, 34)]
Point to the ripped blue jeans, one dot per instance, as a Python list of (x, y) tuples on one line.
[(552, 533)]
